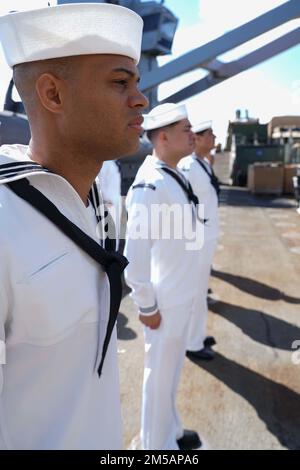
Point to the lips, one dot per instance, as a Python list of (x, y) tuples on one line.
[(137, 123)]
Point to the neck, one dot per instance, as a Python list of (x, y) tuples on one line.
[(170, 160), (76, 169), (201, 154)]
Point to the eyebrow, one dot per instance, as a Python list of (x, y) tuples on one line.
[(129, 72)]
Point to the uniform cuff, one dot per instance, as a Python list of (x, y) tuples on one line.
[(148, 311)]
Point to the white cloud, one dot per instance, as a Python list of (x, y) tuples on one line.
[(252, 90), (218, 17)]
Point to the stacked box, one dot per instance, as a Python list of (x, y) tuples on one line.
[(265, 178)]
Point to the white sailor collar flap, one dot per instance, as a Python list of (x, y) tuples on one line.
[(16, 170)]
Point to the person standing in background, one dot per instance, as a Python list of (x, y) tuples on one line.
[(205, 184), (162, 273)]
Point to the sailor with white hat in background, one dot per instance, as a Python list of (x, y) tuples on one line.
[(75, 67), (162, 272), (205, 184)]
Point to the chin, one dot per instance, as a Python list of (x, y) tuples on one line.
[(132, 147)]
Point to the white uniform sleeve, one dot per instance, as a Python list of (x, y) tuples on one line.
[(138, 249)]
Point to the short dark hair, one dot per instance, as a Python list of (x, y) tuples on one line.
[(202, 132), (25, 75), (153, 133)]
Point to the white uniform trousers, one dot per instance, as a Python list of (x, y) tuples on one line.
[(164, 356), (198, 321)]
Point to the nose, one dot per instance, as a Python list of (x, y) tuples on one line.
[(139, 100)]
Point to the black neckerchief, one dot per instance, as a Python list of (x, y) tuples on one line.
[(213, 179), (187, 188)]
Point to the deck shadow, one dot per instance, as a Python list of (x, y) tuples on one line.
[(276, 405), (255, 288), (260, 326), (123, 331)]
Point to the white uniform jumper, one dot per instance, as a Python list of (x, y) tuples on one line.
[(207, 196), (163, 275), (54, 308)]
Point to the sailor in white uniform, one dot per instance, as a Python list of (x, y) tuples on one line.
[(60, 281), (110, 184), (162, 272), (206, 187)]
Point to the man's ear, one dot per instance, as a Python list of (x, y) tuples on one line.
[(50, 92), (164, 136)]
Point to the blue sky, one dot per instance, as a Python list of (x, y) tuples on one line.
[(269, 89)]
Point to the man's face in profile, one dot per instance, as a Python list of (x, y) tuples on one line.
[(181, 138), (205, 141), (104, 107)]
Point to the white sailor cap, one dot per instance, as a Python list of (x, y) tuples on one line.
[(69, 30), (202, 126), (163, 115)]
